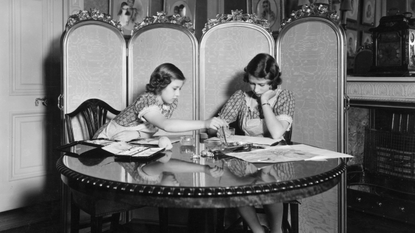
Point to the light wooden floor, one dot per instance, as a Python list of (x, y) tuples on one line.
[(357, 223)]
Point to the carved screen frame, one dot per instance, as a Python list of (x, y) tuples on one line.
[(341, 100), (203, 60), (341, 74), (71, 102), (163, 57)]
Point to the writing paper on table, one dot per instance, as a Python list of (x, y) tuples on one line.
[(150, 141), (290, 153), (254, 140), (127, 149), (124, 151)]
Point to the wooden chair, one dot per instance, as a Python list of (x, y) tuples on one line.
[(91, 115)]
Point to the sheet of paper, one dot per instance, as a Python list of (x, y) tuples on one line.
[(102, 142), (287, 154), (151, 141), (255, 140), (124, 148)]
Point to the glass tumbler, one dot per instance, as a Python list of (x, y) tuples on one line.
[(187, 145)]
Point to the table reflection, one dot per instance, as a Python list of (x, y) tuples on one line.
[(180, 180), (183, 171)]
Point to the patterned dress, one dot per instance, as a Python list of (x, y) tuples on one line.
[(132, 118), (243, 107)]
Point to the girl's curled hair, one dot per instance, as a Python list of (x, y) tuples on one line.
[(264, 66), (162, 76)]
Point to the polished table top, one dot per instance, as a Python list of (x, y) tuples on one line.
[(239, 184)]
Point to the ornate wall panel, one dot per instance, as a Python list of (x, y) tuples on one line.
[(28, 159), (358, 121), (164, 43), (28, 76), (225, 50)]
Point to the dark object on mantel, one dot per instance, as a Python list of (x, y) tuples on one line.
[(363, 62), (394, 46)]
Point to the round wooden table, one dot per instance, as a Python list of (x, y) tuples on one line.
[(241, 184)]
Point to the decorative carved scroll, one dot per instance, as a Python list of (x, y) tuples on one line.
[(311, 10), (162, 17), (92, 14), (236, 16)]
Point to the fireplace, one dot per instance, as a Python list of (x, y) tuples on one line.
[(381, 136)]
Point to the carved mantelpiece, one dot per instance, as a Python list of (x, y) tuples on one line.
[(365, 93), (389, 89)]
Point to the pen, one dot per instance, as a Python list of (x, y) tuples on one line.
[(283, 142), (275, 143)]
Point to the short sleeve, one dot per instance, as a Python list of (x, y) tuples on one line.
[(146, 103), (284, 107), (146, 110), (130, 115)]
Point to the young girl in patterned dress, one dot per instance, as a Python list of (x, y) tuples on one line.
[(152, 110), (265, 111)]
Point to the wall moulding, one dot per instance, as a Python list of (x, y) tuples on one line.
[(381, 91)]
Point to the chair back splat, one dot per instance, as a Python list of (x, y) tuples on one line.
[(92, 113)]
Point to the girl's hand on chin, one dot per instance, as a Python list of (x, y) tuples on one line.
[(267, 95)]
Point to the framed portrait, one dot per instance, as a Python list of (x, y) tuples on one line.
[(181, 8), (352, 15), (289, 7), (351, 42), (366, 38), (118, 9), (410, 7), (271, 10), (368, 12)]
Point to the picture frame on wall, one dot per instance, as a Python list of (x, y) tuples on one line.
[(128, 13), (410, 7), (352, 15), (288, 7), (181, 8), (185, 8), (366, 38), (140, 7), (368, 12), (351, 39), (271, 10)]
